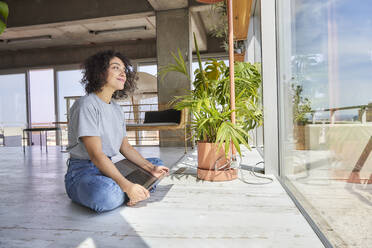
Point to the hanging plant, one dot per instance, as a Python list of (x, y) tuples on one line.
[(220, 28), (220, 25)]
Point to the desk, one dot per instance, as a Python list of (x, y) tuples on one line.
[(42, 129)]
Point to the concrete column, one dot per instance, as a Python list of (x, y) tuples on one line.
[(173, 32)]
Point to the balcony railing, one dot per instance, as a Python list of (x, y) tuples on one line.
[(362, 113)]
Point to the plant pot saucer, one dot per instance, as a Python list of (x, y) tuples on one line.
[(217, 175)]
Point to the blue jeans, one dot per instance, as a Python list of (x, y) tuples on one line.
[(87, 186)]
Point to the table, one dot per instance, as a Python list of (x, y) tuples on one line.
[(42, 129)]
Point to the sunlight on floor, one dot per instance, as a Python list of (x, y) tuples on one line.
[(88, 243)]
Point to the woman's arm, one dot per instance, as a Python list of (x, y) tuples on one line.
[(131, 154), (135, 192)]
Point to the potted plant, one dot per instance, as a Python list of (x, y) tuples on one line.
[(301, 108), (209, 103)]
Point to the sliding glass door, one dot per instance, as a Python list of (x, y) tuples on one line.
[(325, 108)]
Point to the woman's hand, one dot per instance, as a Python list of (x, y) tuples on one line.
[(137, 193), (159, 170)]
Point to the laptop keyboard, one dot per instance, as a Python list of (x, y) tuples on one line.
[(140, 178)]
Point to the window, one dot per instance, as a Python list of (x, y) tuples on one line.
[(42, 107), (325, 62), (42, 97), (13, 114), (68, 83)]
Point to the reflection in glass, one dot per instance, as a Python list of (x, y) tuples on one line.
[(325, 89), (259, 134)]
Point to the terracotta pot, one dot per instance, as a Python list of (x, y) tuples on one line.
[(209, 159), (299, 135), (239, 57)]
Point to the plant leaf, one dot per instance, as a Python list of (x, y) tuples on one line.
[(4, 10), (2, 26), (178, 66)]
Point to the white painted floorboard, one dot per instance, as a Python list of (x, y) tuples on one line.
[(183, 212)]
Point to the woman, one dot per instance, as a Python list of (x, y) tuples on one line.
[(96, 132)]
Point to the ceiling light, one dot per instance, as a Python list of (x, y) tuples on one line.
[(26, 39), (97, 32)]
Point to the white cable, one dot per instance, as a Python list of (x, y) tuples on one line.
[(253, 173)]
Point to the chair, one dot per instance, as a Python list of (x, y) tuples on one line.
[(169, 119)]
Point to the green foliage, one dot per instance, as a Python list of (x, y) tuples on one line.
[(219, 27), (209, 102), (178, 66), (4, 12), (301, 105)]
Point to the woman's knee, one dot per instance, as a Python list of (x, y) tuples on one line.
[(101, 195), (155, 161)]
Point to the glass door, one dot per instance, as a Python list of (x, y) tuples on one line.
[(13, 108), (325, 108), (42, 104)]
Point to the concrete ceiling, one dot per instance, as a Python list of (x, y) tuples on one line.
[(73, 23)]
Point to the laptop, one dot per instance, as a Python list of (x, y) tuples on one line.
[(136, 174)]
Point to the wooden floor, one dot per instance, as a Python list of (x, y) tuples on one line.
[(184, 212)]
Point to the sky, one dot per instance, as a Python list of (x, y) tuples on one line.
[(348, 26)]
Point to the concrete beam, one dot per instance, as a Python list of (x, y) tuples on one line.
[(167, 5), (73, 55), (36, 12), (76, 54)]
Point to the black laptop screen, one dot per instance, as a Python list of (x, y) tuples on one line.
[(135, 173)]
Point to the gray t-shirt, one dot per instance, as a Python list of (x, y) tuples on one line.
[(90, 116)]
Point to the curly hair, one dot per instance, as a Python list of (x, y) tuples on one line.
[(95, 73)]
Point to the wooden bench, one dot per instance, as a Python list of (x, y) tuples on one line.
[(159, 125)]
